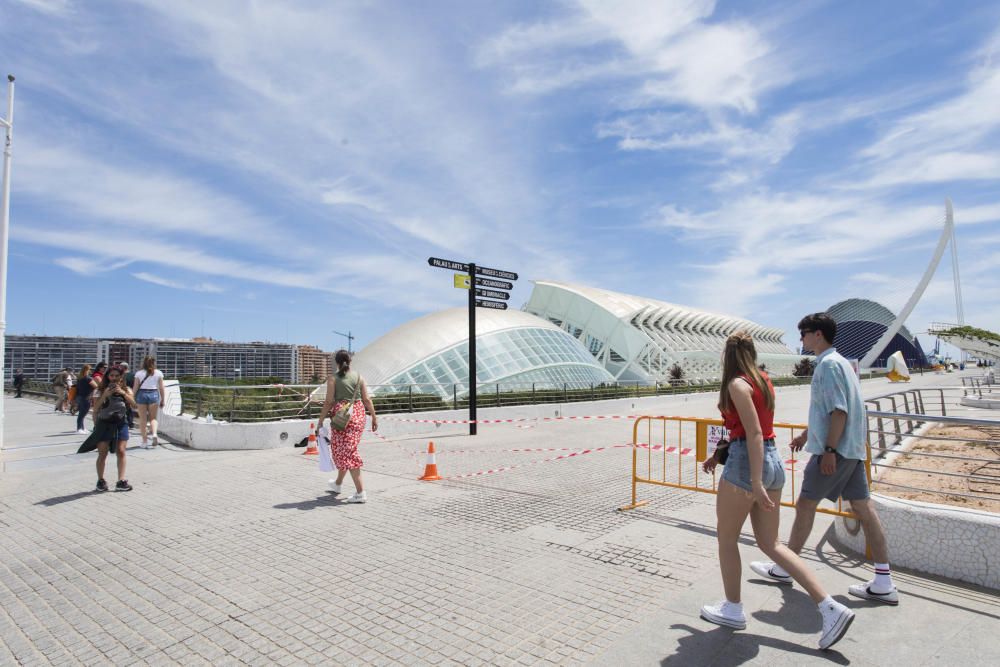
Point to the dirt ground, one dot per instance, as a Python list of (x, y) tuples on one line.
[(962, 448)]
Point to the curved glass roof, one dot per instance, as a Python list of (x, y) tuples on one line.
[(525, 355)]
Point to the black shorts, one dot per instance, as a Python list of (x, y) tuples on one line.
[(848, 481)]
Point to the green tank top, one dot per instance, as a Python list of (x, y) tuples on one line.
[(344, 387)]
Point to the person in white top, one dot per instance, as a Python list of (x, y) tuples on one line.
[(149, 395)]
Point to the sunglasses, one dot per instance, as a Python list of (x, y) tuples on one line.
[(802, 334)]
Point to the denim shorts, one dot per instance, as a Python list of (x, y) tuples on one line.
[(737, 470), (148, 396)]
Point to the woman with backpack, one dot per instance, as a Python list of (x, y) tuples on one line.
[(150, 395), (113, 408), (347, 422)]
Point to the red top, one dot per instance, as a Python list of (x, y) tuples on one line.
[(765, 416)]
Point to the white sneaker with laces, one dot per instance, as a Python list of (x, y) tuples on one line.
[(836, 619), (361, 497), (865, 592), (765, 569), (334, 487), (725, 613), (80, 431), (145, 444)]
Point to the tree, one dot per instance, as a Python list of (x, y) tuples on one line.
[(804, 368), (676, 372)]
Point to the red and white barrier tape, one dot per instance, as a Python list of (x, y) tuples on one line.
[(504, 421)]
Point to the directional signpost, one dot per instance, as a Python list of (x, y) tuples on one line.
[(469, 279)]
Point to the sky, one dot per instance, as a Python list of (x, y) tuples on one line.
[(282, 170)]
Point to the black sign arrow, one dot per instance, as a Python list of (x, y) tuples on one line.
[(492, 294), (449, 264), (498, 284), (496, 305), (495, 273)]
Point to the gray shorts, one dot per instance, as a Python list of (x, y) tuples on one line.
[(848, 481)]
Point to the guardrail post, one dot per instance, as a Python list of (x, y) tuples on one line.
[(533, 399), (592, 396), (454, 396), (411, 397), (565, 397), (232, 406), (895, 420), (498, 394), (943, 413), (201, 395)]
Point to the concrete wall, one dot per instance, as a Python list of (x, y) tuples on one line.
[(219, 435), (948, 541)]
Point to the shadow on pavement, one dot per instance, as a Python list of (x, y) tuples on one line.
[(320, 501), (920, 585), (59, 500), (722, 647), (798, 612)]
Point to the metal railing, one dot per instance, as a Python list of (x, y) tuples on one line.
[(274, 402), (982, 483)]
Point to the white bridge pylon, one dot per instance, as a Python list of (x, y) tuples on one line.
[(947, 234)]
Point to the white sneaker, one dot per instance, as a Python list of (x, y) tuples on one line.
[(725, 613), (80, 431), (836, 619), (865, 592), (334, 487), (765, 568), (145, 444), (358, 498), (154, 442)]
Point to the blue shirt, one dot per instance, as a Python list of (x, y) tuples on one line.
[(836, 387)]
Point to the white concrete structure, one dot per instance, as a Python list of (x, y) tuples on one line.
[(953, 542), (639, 339), (514, 348)]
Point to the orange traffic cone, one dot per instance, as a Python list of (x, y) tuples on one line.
[(431, 469), (311, 447)]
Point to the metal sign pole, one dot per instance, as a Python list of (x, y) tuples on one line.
[(8, 125), (472, 353)]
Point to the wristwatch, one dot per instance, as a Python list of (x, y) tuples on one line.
[(830, 450)]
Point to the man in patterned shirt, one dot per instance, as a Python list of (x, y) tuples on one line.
[(836, 439)]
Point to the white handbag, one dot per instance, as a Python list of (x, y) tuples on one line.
[(325, 455)]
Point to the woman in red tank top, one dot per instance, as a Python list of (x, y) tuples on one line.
[(751, 481)]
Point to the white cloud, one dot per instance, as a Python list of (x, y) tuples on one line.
[(668, 49), (90, 266), (174, 284)]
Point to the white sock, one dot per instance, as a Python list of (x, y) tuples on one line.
[(883, 578), (737, 606), (779, 571)]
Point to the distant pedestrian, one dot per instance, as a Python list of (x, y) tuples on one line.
[(99, 371), (751, 486), (18, 382), (836, 439), (60, 382), (129, 375), (85, 387), (71, 392), (150, 396), (342, 392), (111, 431)]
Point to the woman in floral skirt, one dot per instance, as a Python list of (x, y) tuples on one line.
[(341, 388)]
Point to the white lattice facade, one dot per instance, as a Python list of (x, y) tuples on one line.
[(640, 339)]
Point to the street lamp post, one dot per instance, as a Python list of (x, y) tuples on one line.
[(8, 125)]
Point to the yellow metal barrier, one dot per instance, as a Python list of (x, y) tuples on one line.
[(696, 429)]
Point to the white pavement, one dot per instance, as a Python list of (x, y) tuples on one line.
[(243, 558)]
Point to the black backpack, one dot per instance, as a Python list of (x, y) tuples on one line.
[(114, 410)]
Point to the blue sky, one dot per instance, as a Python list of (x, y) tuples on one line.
[(276, 171)]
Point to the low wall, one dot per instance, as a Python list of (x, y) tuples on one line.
[(220, 435), (957, 543)]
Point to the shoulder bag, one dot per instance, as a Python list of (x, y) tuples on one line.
[(342, 416)]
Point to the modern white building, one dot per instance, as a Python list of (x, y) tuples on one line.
[(639, 339), (514, 348)]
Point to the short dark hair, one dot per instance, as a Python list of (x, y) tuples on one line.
[(821, 322)]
